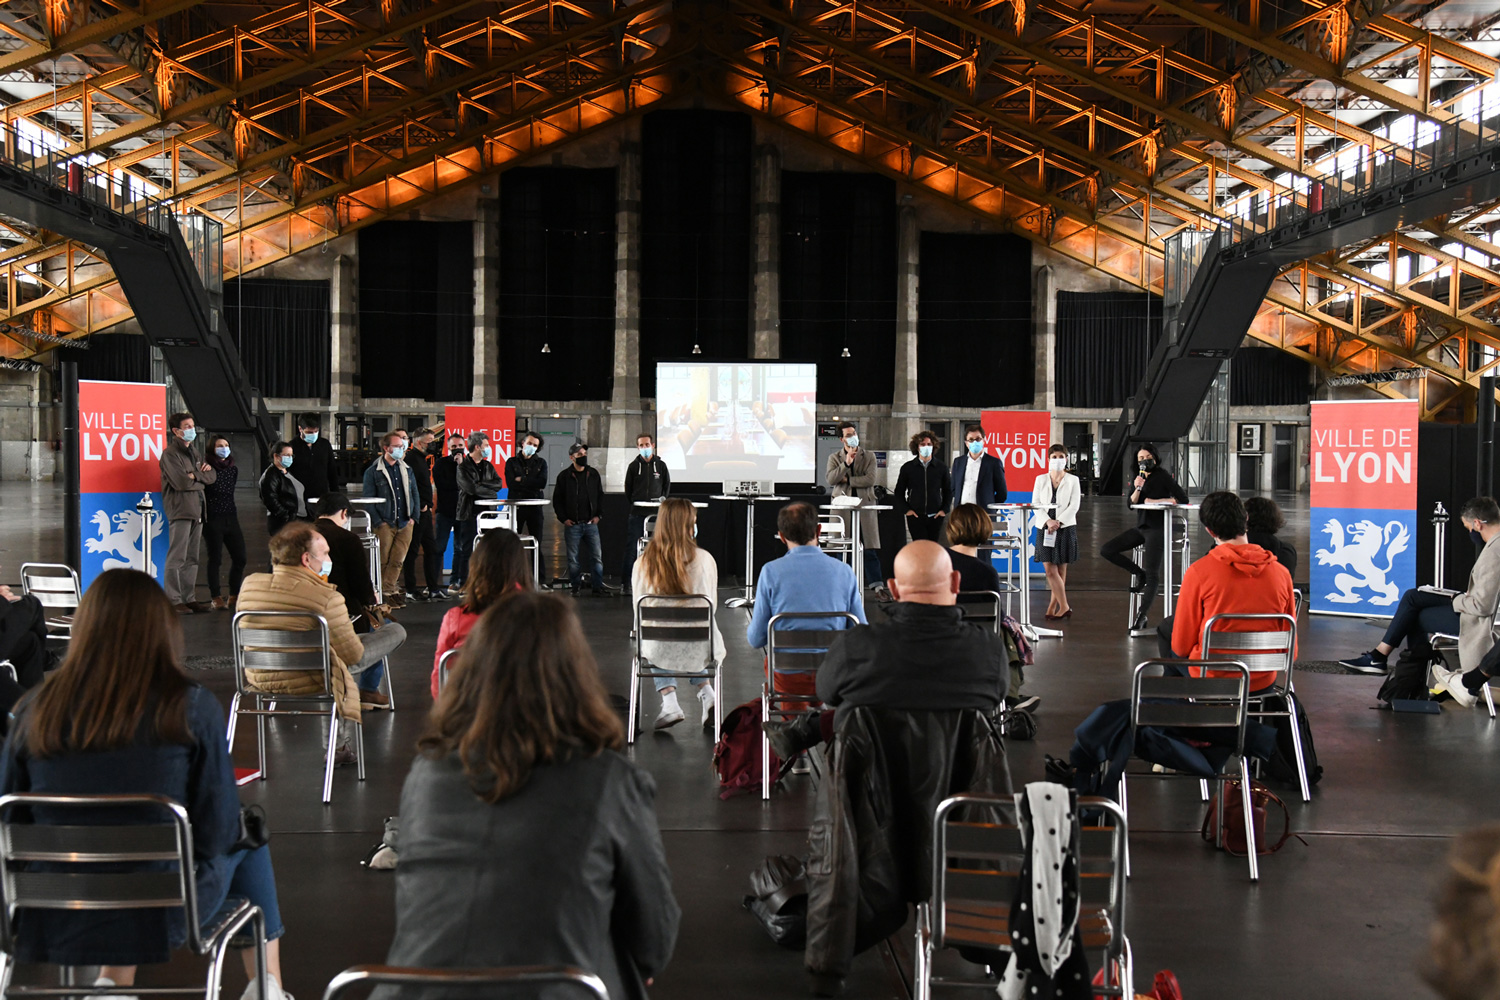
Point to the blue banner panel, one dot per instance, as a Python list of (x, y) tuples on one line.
[(112, 535), (1362, 560)]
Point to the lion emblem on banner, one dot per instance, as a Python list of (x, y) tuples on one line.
[(1367, 542), (120, 536)]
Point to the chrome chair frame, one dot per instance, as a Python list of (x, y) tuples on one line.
[(1002, 540), (1101, 851), (993, 621), (833, 538), (1446, 646), (1270, 651), (43, 586), (656, 618), (802, 653), (443, 667), (267, 649), (589, 985), (648, 528), (1196, 703), (47, 843)]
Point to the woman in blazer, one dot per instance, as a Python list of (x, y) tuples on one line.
[(1057, 534)]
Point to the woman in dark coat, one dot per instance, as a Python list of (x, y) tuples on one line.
[(222, 528), (526, 838)]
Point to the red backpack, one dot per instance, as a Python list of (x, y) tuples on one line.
[(737, 754)]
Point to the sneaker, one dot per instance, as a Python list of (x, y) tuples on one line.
[(106, 981), (396, 600), (706, 699), (373, 699), (182, 609), (414, 595), (220, 603), (1366, 663), (1025, 703), (1453, 683), (344, 754), (670, 715), (273, 990)]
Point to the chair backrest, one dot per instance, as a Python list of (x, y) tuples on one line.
[(1192, 702), (976, 869), (270, 640), (444, 665), (830, 524), (981, 607), (23, 844), (520, 981), (679, 618), (360, 521), (800, 651), (1297, 602), (488, 520), (649, 525), (53, 584), (1269, 649)]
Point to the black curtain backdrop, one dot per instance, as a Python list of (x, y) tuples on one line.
[(283, 331), (838, 282), (557, 283), (111, 357), (695, 240), (974, 320), (1104, 340), (416, 310), (1264, 376)]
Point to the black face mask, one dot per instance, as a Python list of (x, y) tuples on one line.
[(1149, 465), (582, 461)]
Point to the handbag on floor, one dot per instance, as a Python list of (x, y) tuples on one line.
[(778, 899), (1261, 798)]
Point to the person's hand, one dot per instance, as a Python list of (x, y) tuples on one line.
[(593, 520), (192, 476), (848, 457), (942, 513), (568, 523), (911, 513), (1053, 524), (205, 466), (1140, 482), (6, 593)]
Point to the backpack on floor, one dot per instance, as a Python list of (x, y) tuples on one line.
[(1407, 679), (737, 754), (1283, 763)]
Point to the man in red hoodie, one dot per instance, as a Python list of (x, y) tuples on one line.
[(1235, 577)]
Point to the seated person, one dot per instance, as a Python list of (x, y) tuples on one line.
[(1462, 960), (23, 641), (497, 567), (526, 837), (120, 717), (1468, 615), (1264, 520), (351, 576), (298, 581), (806, 579), (968, 528), (1234, 577), (927, 658)]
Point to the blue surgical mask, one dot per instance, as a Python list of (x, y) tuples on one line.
[(311, 437), (695, 530), (924, 450), (398, 454), (487, 452), (189, 434), (286, 461), (646, 452), (327, 568), (976, 447), (222, 452), (852, 440), (528, 450)]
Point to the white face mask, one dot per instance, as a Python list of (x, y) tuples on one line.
[(1057, 463)]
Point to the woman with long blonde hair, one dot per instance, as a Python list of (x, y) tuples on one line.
[(673, 565)]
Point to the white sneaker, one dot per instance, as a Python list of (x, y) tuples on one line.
[(106, 981), (1454, 685), (706, 699), (671, 712), (273, 990)]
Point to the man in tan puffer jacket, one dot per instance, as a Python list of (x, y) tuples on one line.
[(298, 582)]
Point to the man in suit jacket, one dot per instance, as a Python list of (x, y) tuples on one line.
[(977, 477)]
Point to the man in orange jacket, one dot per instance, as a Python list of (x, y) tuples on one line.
[(1234, 577)]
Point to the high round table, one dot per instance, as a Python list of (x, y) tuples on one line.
[(1033, 632), (509, 506), (1169, 528), (749, 500), (855, 544)]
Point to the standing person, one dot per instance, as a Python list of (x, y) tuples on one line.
[(390, 479), (477, 480), (924, 489), (222, 529), (1056, 542), (578, 500), (851, 472), (1153, 484), (520, 816), (183, 476), (282, 493), (445, 490), (646, 478), (674, 565), (978, 477), (526, 479), (419, 457), (313, 463), (121, 717), (497, 569)]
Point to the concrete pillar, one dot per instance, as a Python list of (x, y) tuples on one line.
[(906, 410), (626, 415), (487, 302), (1044, 344), (343, 385), (765, 339)]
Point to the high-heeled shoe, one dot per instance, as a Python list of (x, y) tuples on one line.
[(1066, 614)]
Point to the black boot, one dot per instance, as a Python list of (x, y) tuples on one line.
[(790, 737)]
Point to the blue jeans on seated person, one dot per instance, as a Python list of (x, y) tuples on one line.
[(379, 643), (1417, 616), (250, 877), (576, 535)]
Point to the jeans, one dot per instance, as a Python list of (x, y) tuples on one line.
[(1417, 616), (432, 569), (671, 682), (873, 570), (636, 529), (222, 531), (463, 544), (575, 535), (379, 643), (183, 539), (253, 879)]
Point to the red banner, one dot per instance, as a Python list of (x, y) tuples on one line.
[(121, 427), (1364, 454), (1020, 438), (499, 422)]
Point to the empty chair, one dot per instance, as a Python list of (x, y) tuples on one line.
[(56, 587), (518, 981)]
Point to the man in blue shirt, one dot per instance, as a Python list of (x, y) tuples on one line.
[(805, 579)]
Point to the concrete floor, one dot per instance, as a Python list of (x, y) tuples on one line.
[(1342, 912)]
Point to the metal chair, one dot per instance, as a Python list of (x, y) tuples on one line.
[(489, 520), (494, 982), (443, 668), (1196, 703), (833, 539), (981, 607), (792, 651), (687, 620), (531, 545), (1003, 540), (647, 530), (302, 650), (976, 869), (68, 881), (56, 587), (1263, 652)]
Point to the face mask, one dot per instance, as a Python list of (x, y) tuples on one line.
[(976, 447), (695, 531), (924, 450), (582, 460), (486, 451), (1149, 464), (528, 450), (456, 450), (326, 569), (852, 441), (189, 434), (398, 453), (310, 438), (1057, 464), (222, 452), (646, 452), (286, 461)]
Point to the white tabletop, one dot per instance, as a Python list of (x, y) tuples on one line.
[(532, 502), (1022, 506), (366, 500), (863, 506), (654, 504), (493, 503), (1165, 506), (747, 496)]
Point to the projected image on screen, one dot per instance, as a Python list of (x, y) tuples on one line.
[(741, 421)]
